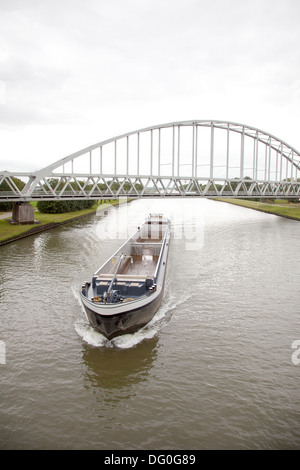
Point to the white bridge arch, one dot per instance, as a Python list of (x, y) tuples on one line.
[(206, 158)]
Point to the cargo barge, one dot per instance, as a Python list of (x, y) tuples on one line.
[(127, 290)]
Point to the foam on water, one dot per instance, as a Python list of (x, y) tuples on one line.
[(89, 335), (93, 338), (96, 339)]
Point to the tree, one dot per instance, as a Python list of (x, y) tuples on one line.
[(58, 207), (4, 186)]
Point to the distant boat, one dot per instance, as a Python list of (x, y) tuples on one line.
[(127, 290)]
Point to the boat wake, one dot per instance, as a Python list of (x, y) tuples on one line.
[(127, 341)]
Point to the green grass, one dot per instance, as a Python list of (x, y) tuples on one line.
[(8, 231), (279, 207)]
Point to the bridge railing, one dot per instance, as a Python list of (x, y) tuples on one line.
[(183, 158), (230, 188)]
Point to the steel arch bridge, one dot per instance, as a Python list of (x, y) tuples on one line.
[(204, 158)]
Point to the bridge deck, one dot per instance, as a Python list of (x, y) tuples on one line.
[(176, 159)]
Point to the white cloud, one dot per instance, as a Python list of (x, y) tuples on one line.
[(77, 72)]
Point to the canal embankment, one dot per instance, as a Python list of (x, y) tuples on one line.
[(11, 232), (279, 207)]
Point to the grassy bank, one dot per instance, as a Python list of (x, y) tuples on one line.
[(9, 232), (278, 207)]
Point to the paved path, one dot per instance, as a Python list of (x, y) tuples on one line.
[(5, 215)]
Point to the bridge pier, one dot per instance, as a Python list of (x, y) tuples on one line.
[(22, 213)]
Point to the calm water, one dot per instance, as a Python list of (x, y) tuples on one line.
[(213, 370)]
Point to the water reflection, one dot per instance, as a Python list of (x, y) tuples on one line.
[(114, 369)]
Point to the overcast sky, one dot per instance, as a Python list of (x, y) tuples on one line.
[(75, 72)]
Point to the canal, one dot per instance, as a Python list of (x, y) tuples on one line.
[(217, 368)]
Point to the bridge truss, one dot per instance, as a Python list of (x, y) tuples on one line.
[(204, 158)]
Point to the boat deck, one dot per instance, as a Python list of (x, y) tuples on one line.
[(152, 239), (131, 273), (144, 265)]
